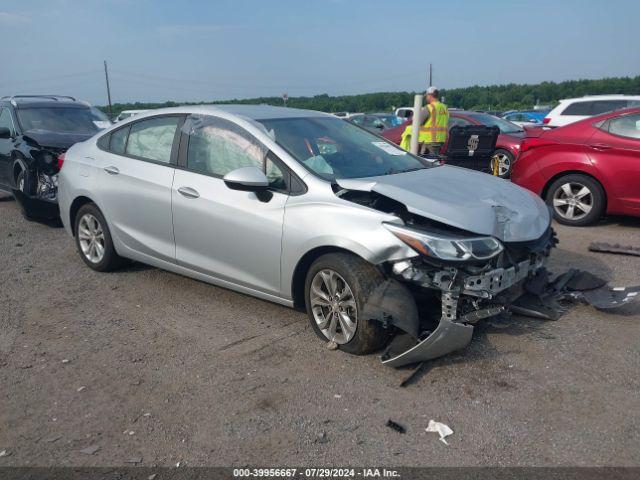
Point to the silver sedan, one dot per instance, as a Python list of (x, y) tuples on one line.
[(306, 210)]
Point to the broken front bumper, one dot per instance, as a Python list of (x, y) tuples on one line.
[(455, 327)]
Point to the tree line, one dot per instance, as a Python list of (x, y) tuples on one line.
[(493, 97)]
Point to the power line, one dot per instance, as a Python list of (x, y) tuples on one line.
[(49, 78)]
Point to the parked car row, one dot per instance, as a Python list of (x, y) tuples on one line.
[(583, 170), (507, 146)]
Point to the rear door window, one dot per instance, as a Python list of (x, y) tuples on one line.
[(605, 106), (627, 126), (152, 139)]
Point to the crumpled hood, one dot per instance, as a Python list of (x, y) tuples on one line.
[(465, 199), (56, 140)]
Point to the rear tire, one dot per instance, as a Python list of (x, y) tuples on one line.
[(355, 280), (26, 187), (576, 200), (93, 240), (505, 162)]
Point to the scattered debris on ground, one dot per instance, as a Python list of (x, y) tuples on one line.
[(550, 300), (605, 247), (332, 345), (322, 438), (439, 428), (415, 375), (4, 453), (396, 426)]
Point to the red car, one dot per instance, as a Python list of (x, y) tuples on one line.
[(507, 146), (585, 169)]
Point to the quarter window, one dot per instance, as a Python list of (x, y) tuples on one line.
[(153, 139), (628, 126), (118, 140)]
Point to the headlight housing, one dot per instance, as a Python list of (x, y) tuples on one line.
[(454, 249)]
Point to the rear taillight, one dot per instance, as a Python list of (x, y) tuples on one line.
[(546, 120), (60, 160)]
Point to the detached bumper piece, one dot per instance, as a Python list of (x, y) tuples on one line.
[(549, 300), (448, 337), (465, 299)]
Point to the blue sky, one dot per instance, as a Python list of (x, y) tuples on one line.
[(206, 50)]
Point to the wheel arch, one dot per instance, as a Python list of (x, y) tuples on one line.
[(564, 173), (302, 267), (19, 165), (77, 203)]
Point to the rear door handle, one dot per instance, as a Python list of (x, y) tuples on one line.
[(188, 192), (112, 170), (600, 146)]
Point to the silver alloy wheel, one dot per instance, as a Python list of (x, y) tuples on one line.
[(21, 184), (573, 201), (333, 306), (91, 238), (504, 163)]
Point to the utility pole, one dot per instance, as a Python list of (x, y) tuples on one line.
[(106, 76), (430, 74)]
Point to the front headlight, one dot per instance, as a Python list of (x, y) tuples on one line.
[(447, 248)]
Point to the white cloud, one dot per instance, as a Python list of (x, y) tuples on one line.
[(7, 18)]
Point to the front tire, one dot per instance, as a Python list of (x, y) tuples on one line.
[(504, 158), (336, 288), (576, 200), (93, 240)]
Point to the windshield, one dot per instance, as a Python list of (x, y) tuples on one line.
[(491, 121), (63, 120), (390, 121), (332, 148)]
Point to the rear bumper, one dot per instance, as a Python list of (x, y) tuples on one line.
[(37, 207)]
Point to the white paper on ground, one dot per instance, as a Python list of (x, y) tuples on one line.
[(439, 428)]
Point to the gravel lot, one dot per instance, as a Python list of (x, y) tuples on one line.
[(149, 367)]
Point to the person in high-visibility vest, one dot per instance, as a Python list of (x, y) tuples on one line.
[(433, 131)]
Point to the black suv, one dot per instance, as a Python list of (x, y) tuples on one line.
[(35, 131)]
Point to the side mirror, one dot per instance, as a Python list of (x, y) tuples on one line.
[(5, 132), (247, 179)]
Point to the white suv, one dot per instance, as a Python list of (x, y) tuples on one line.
[(573, 109)]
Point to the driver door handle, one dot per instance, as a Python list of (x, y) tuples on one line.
[(188, 192), (600, 146), (112, 170)]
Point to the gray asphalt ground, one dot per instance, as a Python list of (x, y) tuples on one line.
[(149, 367)]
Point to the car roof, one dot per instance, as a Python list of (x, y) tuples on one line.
[(253, 112), (614, 96), (40, 101)]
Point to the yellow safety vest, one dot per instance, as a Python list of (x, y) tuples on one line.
[(434, 130)]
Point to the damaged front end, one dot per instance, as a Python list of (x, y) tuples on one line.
[(461, 277), (471, 278), (37, 188)]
